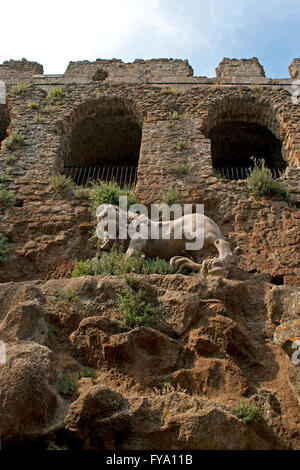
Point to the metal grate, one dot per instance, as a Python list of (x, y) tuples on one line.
[(241, 173), (83, 175)]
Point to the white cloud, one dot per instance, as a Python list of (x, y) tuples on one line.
[(57, 32), (203, 31)]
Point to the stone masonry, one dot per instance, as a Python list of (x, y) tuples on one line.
[(159, 108)]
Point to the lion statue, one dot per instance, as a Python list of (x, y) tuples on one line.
[(168, 247)]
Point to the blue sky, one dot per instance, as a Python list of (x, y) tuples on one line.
[(53, 33)]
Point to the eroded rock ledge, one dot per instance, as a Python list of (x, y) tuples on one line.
[(173, 385)]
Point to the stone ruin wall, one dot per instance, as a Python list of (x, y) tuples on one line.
[(12, 71), (294, 69), (175, 112), (117, 71)]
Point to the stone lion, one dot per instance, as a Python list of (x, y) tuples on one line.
[(169, 248)]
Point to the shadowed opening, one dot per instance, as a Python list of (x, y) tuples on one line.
[(4, 121), (241, 130), (100, 75), (233, 144), (102, 141), (277, 280)]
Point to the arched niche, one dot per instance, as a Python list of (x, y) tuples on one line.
[(4, 121), (240, 130), (101, 140)]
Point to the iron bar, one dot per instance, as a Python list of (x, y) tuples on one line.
[(122, 171), (236, 173), (84, 173), (127, 175)]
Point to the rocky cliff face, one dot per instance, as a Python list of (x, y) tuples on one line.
[(75, 376)]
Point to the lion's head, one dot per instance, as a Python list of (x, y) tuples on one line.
[(111, 220)]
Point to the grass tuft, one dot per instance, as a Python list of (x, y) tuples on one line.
[(56, 94), (62, 186), (13, 141), (62, 299), (178, 170), (34, 105), (261, 181), (170, 197), (18, 89), (9, 159), (247, 411)]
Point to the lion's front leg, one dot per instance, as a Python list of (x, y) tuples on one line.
[(136, 246)]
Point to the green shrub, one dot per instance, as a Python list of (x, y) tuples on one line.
[(18, 89), (156, 266), (131, 281), (7, 197), (261, 181), (247, 411), (56, 94), (3, 248), (62, 185), (109, 193), (115, 263), (170, 197), (67, 384), (92, 267), (112, 262), (134, 311), (178, 170), (13, 141), (68, 295)]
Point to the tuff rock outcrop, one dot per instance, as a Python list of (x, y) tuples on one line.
[(174, 385)]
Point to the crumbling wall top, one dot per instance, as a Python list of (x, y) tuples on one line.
[(294, 68), (239, 68), (12, 70), (142, 71), (139, 70)]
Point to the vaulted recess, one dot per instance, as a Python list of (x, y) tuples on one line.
[(101, 140), (4, 121), (240, 132)]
